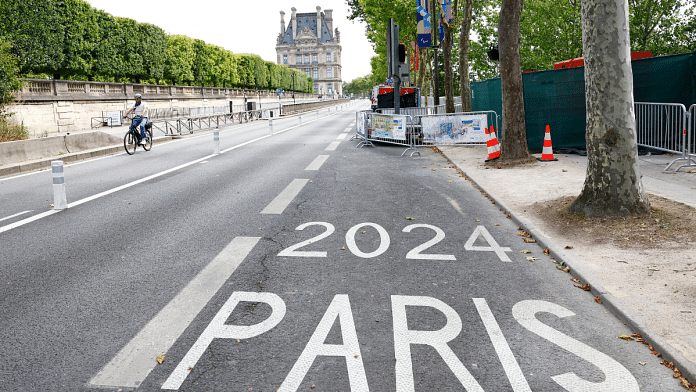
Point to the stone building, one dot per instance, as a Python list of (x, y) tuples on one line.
[(312, 45)]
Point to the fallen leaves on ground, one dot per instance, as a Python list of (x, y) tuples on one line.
[(585, 287), (625, 337), (529, 240), (599, 301), (160, 359)]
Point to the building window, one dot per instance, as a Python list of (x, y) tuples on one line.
[(299, 59), (285, 59), (328, 57), (307, 72), (314, 58), (329, 72), (330, 87), (306, 59), (315, 73), (316, 87)]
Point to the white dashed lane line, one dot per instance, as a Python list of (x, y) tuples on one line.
[(278, 205), (332, 146), (317, 162)]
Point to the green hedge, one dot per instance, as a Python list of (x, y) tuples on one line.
[(68, 39)]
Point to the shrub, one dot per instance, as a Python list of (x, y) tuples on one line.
[(11, 131)]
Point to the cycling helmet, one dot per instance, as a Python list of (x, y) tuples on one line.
[(138, 96)]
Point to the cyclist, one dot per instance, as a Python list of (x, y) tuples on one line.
[(140, 112)]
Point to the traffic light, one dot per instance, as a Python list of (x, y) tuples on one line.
[(404, 69), (402, 53)]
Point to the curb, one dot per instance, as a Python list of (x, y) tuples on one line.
[(71, 157), (686, 367)]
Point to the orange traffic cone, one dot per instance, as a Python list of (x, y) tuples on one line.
[(547, 151), (492, 144)]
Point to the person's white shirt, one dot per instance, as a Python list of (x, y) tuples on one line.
[(140, 109)]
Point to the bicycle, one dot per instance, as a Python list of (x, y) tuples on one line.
[(132, 139)]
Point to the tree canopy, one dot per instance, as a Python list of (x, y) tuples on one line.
[(550, 31), (9, 83), (68, 39)]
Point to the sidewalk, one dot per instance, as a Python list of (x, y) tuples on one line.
[(652, 290)]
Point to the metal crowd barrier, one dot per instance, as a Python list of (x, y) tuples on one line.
[(190, 124), (461, 129), (667, 127)]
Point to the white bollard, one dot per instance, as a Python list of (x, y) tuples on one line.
[(60, 201), (270, 125), (216, 141), (300, 118)]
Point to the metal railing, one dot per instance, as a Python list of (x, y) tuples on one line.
[(667, 127), (177, 126)]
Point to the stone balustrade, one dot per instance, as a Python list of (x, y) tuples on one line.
[(37, 90)]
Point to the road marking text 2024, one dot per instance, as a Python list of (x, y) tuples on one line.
[(415, 253)]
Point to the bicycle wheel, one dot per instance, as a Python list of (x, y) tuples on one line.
[(129, 143), (148, 141)]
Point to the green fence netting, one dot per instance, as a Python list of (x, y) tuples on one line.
[(557, 97)]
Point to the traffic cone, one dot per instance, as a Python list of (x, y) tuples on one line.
[(492, 144), (547, 151)]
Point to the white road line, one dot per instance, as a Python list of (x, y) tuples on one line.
[(18, 214), (342, 136), (332, 146), (135, 361), (278, 205), (230, 128), (27, 220), (349, 129), (119, 188), (317, 162), (105, 193), (507, 358)]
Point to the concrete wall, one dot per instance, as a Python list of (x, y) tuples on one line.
[(50, 107)]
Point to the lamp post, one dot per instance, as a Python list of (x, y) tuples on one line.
[(293, 88)]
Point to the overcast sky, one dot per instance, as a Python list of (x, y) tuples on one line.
[(245, 26)]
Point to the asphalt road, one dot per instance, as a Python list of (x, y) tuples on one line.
[(290, 262)]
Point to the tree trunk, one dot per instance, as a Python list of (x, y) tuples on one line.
[(612, 182), (464, 43), (513, 147)]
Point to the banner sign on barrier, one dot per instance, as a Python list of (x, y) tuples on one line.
[(454, 129), (360, 126), (113, 119), (389, 127)]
